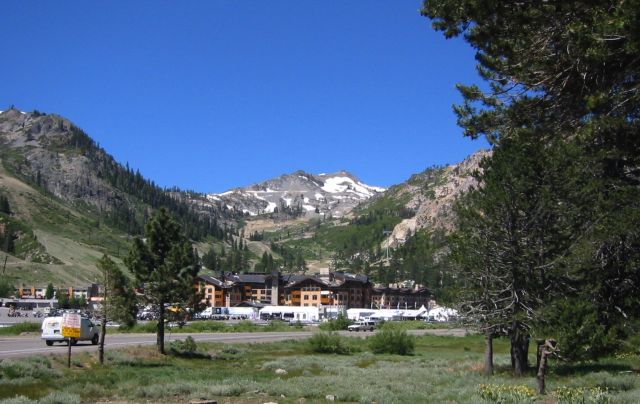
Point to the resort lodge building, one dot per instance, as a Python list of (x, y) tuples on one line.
[(336, 289)]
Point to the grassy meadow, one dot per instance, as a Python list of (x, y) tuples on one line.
[(440, 370)]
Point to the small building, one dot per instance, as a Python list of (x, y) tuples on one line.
[(290, 313)]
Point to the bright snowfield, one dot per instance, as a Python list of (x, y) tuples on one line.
[(337, 193), (335, 185)]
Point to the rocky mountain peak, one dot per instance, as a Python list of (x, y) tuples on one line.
[(431, 194), (336, 194)]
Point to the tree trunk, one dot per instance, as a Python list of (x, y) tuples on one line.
[(541, 371), (544, 350), (525, 347), (519, 351), (160, 340), (103, 334), (488, 353), (539, 344)]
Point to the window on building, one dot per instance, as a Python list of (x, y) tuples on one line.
[(315, 297)]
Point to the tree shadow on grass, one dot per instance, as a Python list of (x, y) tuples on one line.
[(569, 369), (189, 355), (145, 364)]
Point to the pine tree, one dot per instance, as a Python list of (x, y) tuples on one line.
[(49, 292), (119, 299), (63, 299), (210, 260), (4, 205), (166, 265), (563, 75)]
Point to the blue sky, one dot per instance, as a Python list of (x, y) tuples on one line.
[(210, 95)]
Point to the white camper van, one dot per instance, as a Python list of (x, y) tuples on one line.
[(52, 331)]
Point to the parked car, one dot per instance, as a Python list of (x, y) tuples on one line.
[(362, 326), (52, 331)]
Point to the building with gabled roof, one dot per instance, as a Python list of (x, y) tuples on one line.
[(399, 298), (339, 290), (216, 292)]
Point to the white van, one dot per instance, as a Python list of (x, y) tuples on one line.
[(52, 331)]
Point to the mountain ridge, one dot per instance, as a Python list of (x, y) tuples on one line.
[(55, 158), (324, 194)]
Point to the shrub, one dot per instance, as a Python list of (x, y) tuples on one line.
[(229, 353), (337, 324), (244, 326), (502, 393), (276, 326), (18, 400), (323, 342), (34, 367), (19, 328), (595, 395), (187, 348), (392, 341), (59, 397), (148, 327), (207, 326)]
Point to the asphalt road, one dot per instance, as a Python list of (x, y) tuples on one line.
[(22, 346)]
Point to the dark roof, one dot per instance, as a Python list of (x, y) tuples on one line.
[(344, 277), (303, 279), (290, 278), (251, 278), (403, 291), (212, 280)]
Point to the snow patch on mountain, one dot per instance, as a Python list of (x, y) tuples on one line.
[(336, 194)]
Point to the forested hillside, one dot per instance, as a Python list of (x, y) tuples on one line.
[(64, 201), (398, 237), (57, 157)]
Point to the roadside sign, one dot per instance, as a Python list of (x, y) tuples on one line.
[(71, 325)]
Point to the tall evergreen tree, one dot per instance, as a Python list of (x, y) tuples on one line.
[(505, 241), (119, 299), (49, 292), (4, 205), (63, 298), (567, 73), (166, 266), (210, 260)]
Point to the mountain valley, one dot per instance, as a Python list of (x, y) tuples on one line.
[(70, 202)]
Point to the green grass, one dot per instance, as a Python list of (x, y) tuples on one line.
[(441, 369), (212, 326), (58, 243), (19, 328), (416, 325)]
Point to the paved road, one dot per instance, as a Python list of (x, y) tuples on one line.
[(15, 347)]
